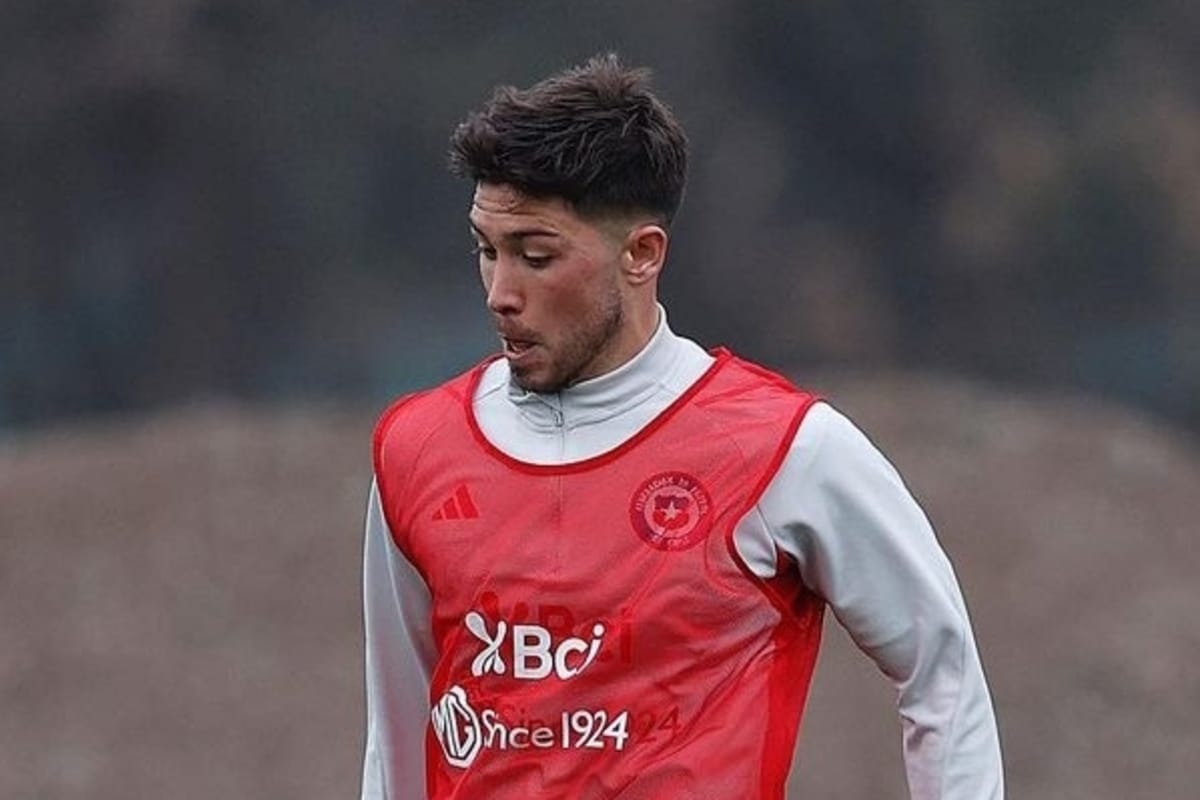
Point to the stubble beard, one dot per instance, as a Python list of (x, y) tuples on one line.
[(580, 349)]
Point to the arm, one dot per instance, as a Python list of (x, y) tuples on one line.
[(841, 511), (399, 657)]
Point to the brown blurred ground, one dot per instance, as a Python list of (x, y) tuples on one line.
[(179, 604)]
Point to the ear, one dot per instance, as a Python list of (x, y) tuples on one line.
[(645, 253)]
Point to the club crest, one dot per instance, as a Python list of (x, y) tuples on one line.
[(670, 511)]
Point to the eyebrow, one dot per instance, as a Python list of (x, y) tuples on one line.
[(518, 234)]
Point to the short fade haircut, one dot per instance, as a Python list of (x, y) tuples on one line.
[(593, 135)]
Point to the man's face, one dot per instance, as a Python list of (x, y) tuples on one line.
[(553, 283)]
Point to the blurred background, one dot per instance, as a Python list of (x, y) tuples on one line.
[(228, 238)]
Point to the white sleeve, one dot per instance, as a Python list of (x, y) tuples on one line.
[(399, 658), (840, 509)]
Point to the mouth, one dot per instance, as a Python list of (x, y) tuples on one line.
[(514, 347)]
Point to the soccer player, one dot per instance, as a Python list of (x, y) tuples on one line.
[(596, 565)]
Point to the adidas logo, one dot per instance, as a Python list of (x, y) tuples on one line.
[(458, 506)]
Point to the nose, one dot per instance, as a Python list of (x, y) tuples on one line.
[(504, 294)]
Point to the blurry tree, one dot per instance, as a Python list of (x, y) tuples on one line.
[(249, 197)]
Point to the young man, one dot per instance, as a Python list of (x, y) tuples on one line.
[(596, 566)]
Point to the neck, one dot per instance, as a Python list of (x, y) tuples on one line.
[(635, 333)]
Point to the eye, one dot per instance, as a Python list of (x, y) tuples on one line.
[(484, 251), (536, 261)]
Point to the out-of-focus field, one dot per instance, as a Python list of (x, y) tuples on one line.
[(179, 605)]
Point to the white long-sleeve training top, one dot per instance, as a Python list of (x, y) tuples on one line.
[(836, 507)]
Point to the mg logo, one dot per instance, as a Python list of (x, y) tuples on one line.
[(531, 650), (456, 726)]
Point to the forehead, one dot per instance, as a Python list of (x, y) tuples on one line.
[(499, 209)]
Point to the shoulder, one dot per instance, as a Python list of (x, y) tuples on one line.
[(746, 389), (758, 376), (821, 420), (410, 420), (822, 424)]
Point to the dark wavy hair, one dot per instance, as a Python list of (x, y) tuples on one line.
[(593, 135)]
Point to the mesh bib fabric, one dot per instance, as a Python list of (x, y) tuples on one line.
[(597, 634)]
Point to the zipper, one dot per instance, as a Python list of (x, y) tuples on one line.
[(557, 415)]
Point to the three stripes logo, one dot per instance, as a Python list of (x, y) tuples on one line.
[(457, 506)]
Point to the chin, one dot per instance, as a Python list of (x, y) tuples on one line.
[(547, 375), (538, 386), (541, 381)]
